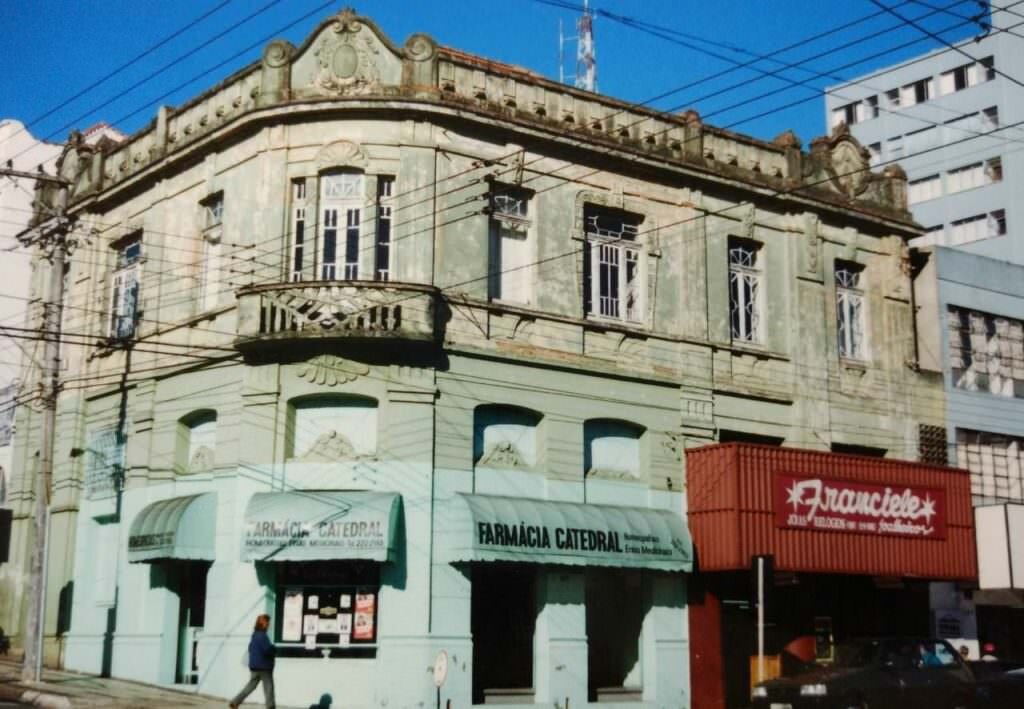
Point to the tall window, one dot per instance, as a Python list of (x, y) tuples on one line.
[(298, 250), (210, 266), (342, 199), (850, 311), (382, 240), (615, 270), (509, 248), (124, 287), (745, 290)]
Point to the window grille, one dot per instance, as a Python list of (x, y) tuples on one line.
[(298, 230), (343, 196), (124, 289), (745, 291), (616, 278), (996, 463), (850, 312), (986, 352), (382, 241), (105, 462)]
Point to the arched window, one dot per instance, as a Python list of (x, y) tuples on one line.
[(611, 448), (505, 436), (197, 442), (331, 428)]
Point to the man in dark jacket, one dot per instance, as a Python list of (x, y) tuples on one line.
[(261, 664)]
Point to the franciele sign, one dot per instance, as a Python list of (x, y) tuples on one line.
[(829, 505)]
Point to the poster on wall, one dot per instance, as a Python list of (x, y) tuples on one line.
[(345, 624), (310, 625), (291, 616), (366, 604)]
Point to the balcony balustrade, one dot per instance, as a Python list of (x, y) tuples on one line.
[(337, 309)]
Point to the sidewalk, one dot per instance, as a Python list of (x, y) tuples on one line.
[(69, 690)]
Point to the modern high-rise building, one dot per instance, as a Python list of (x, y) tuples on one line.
[(952, 118)]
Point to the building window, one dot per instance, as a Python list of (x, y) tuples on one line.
[(917, 92), (614, 268), (924, 189), (968, 75), (104, 461), (874, 153), (850, 307), (505, 437), (975, 175), (871, 106), (611, 449), (328, 429), (989, 118), (197, 442), (986, 352), (850, 114), (297, 256), (124, 287), (382, 239), (342, 199), (894, 147), (745, 290), (210, 266), (509, 249), (503, 617), (976, 228), (922, 139), (893, 98), (996, 463), (933, 236)]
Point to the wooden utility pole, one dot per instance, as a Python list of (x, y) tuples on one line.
[(51, 239)]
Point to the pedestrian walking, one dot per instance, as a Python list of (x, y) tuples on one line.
[(261, 664)]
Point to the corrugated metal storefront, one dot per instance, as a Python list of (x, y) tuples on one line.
[(732, 516)]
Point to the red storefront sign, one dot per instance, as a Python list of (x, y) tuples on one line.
[(831, 505)]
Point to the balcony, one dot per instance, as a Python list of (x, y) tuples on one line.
[(323, 310)]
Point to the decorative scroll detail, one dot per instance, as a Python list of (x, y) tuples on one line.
[(342, 153), (331, 370), (502, 455), (420, 48), (277, 54), (202, 461), (330, 447)]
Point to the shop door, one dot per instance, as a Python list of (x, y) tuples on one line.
[(738, 630), (503, 619), (191, 589)]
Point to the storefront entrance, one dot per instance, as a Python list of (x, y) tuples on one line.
[(503, 618), (615, 614), (187, 580)]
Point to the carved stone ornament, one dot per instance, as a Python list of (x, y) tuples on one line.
[(673, 445), (330, 447), (613, 474), (347, 58), (277, 53), (502, 455), (748, 221), (202, 460), (342, 153), (810, 224), (849, 169), (331, 370)]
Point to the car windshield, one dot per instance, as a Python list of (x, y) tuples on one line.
[(861, 653)]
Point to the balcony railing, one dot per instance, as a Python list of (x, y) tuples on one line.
[(337, 309)]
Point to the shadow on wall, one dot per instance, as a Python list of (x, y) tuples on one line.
[(323, 703)]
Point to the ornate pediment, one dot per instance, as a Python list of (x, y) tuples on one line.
[(841, 164), (342, 153), (328, 448), (502, 454)]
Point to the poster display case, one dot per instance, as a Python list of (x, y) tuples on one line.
[(327, 606)]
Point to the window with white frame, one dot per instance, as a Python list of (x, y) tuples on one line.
[(296, 261), (966, 76), (874, 153), (989, 119), (745, 292), (614, 264), (871, 106), (894, 147), (382, 237), (924, 189), (996, 463), (978, 227), (917, 92), (851, 332), (509, 273), (986, 352), (210, 266), (892, 97), (124, 287), (974, 175), (933, 236), (849, 114), (923, 139), (341, 196)]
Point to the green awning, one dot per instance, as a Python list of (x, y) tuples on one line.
[(178, 528), (318, 525), (492, 528)]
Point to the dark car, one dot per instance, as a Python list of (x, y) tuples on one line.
[(887, 673)]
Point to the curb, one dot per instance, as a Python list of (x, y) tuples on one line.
[(45, 700)]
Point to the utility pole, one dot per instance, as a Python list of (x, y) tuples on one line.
[(50, 237)]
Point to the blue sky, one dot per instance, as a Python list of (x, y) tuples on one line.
[(56, 50)]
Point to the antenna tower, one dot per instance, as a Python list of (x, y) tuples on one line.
[(586, 60)]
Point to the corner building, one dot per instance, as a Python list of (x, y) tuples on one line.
[(405, 347)]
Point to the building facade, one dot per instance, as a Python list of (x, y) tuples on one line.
[(405, 347), (951, 119)]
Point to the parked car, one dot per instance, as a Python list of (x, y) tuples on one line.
[(877, 673)]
